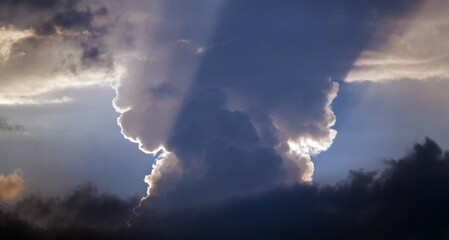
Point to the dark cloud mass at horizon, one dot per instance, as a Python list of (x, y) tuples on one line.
[(408, 200)]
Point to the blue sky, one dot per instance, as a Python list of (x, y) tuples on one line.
[(377, 122)]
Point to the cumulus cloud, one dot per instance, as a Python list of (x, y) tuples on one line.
[(256, 103), (159, 66), (408, 200), (11, 185), (416, 50)]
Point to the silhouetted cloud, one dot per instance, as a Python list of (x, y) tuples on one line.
[(408, 200), (85, 207)]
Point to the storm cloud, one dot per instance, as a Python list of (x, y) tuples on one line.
[(408, 200), (84, 213)]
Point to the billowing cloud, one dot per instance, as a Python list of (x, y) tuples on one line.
[(416, 49), (152, 91), (160, 67), (11, 185), (251, 111), (408, 200)]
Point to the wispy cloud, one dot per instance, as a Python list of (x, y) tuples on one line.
[(417, 50)]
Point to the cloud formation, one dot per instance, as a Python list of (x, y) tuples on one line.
[(415, 50), (233, 108), (11, 185), (219, 94), (408, 200), (256, 103), (85, 207), (50, 46)]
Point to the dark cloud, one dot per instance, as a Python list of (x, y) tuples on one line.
[(73, 18), (41, 4), (84, 213), (12, 9), (84, 207), (408, 200), (91, 53), (221, 153), (37, 4), (6, 126)]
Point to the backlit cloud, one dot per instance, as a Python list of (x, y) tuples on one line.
[(253, 108), (416, 50)]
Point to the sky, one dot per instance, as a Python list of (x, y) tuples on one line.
[(219, 119)]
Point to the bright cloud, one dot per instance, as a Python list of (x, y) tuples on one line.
[(417, 50), (8, 37)]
